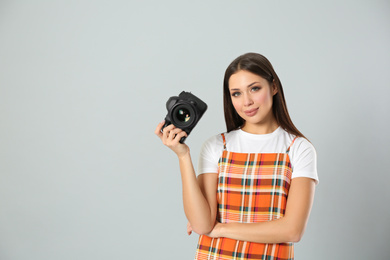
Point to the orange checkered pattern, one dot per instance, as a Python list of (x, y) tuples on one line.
[(252, 188)]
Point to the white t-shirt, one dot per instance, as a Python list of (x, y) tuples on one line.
[(302, 153)]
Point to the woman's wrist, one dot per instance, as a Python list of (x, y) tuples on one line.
[(220, 229), (184, 155)]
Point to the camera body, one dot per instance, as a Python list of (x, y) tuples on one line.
[(184, 112)]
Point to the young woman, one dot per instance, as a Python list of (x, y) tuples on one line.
[(255, 188)]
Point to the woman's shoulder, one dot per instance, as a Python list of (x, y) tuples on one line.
[(295, 141), (302, 142), (212, 142), (301, 147), (216, 141), (303, 157)]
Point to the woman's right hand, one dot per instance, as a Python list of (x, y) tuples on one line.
[(170, 136), (189, 228)]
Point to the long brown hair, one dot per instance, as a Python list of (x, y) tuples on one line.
[(259, 65)]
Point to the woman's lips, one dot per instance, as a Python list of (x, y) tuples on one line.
[(251, 112)]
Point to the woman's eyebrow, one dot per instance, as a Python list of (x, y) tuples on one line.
[(250, 85)]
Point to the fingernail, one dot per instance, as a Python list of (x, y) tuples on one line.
[(162, 122)]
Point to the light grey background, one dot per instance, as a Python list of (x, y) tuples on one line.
[(83, 85)]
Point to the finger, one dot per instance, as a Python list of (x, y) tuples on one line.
[(158, 129), (176, 134), (189, 228), (180, 135), (167, 129), (170, 133)]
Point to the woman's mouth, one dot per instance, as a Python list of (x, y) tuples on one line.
[(251, 112)]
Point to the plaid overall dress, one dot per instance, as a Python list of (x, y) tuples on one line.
[(252, 187)]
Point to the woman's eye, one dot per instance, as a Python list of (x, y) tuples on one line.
[(255, 89), (235, 94)]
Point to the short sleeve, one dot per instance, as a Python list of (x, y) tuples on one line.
[(209, 155), (304, 159)]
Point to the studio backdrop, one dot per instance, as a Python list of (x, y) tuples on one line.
[(83, 85)]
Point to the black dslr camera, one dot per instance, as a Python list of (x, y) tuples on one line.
[(184, 112)]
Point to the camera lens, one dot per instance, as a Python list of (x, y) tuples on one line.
[(183, 115)]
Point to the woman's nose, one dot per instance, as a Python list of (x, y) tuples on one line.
[(247, 100)]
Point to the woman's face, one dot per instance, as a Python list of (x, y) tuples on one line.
[(252, 97)]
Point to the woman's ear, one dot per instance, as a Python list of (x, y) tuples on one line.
[(274, 88)]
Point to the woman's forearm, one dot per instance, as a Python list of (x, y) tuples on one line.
[(196, 207), (275, 231), (288, 228)]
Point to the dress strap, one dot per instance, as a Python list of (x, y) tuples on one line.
[(224, 141), (291, 144)]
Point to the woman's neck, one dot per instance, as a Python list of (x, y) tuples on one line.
[(260, 129)]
